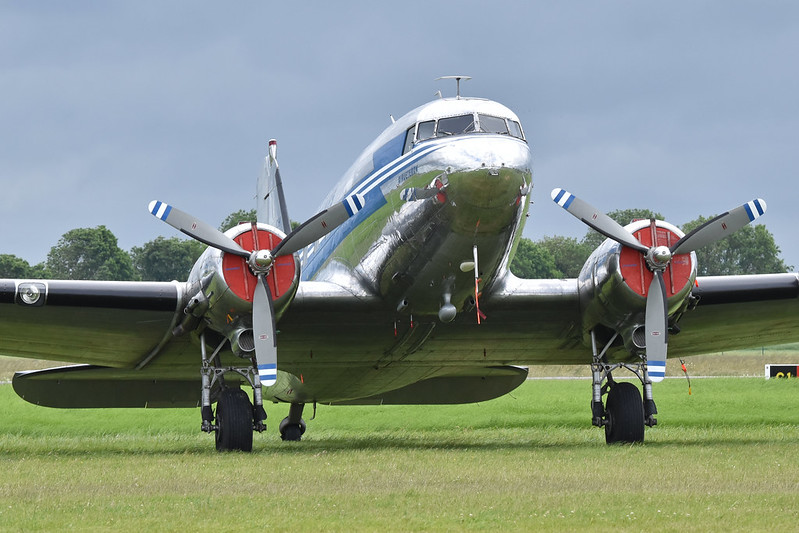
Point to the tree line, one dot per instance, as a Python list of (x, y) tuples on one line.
[(751, 250), (93, 254)]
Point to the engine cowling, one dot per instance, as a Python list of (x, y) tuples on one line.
[(228, 284), (615, 279)]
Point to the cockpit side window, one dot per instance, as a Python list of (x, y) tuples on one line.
[(425, 130), (409, 139), (489, 124), (515, 129), (455, 125)]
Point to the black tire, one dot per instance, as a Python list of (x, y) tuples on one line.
[(625, 413), (234, 421), (292, 432)]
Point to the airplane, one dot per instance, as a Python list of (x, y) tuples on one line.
[(397, 292)]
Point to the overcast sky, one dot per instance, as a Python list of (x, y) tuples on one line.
[(686, 108)]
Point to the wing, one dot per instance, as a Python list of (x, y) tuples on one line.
[(340, 344), (107, 323), (737, 312), (726, 313), (123, 330)]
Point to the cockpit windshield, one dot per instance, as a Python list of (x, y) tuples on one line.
[(460, 125), (455, 125), (489, 124)]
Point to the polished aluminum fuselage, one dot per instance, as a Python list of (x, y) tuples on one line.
[(410, 253)]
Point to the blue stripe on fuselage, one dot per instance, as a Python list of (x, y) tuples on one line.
[(316, 256), (369, 187)]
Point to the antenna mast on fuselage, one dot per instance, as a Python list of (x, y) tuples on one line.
[(457, 83)]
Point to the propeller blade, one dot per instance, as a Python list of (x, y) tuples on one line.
[(263, 318), (721, 226), (196, 229), (656, 328), (319, 225), (596, 219)]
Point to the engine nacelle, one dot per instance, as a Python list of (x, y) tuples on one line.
[(229, 285), (614, 282)]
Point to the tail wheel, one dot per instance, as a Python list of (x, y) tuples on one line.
[(292, 432), (625, 414), (234, 421)]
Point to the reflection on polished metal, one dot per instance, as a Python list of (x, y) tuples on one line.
[(447, 312)]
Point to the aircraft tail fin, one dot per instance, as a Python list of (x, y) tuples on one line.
[(271, 202)]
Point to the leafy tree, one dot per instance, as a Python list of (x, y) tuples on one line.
[(243, 215), (750, 250), (12, 266), (533, 261), (166, 259), (236, 217), (569, 254), (39, 271), (89, 253)]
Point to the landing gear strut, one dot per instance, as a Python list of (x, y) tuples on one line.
[(624, 415), (236, 418)]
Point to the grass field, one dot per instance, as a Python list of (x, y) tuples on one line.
[(724, 458)]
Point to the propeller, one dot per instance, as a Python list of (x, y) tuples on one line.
[(260, 263), (658, 259)]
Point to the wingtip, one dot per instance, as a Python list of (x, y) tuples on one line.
[(555, 192)]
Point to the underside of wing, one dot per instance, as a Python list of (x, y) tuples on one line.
[(467, 385), (88, 386)]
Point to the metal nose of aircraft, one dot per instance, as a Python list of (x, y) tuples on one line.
[(497, 178)]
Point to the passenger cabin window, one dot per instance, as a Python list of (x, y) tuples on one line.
[(455, 125), (489, 124)]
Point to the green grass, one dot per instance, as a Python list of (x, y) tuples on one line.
[(723, 458)]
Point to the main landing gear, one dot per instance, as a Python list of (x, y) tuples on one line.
[(624, 415), (236, 417)]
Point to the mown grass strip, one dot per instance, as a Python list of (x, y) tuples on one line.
[(722, 458)]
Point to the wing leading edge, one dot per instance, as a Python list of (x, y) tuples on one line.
[(107, 323), (738, 312)]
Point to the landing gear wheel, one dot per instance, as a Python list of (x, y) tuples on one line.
[(625, 414), (292, 432), (233, 421)]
